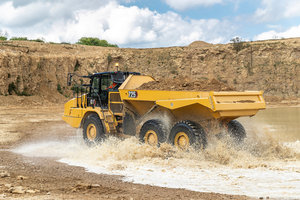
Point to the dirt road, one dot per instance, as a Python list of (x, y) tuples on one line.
[(44, 178)]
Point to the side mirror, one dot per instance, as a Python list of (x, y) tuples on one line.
[(69, 79)]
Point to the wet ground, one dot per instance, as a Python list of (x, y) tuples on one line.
[(57, 165)]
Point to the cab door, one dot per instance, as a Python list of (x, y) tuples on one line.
[(105, 84), (94, 95)]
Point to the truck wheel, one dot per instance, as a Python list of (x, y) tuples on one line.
[(236, 131), (187, 133), (93, 131), (129, 127), (153, 132)]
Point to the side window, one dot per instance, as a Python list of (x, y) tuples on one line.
[(106, 82), (96, 84)]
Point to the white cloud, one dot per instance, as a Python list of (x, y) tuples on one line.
[(271, 10), (186, 4), (290, 33), (59, 21)]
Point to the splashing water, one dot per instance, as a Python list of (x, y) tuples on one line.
[(260, 167)]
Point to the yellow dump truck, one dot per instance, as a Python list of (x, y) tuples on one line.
[(113, 105)]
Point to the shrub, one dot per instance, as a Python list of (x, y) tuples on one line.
[(59, 88), (109, 58), (77, 65), (26, 39), (19, 38), (38, 40), (91, 41), (238, 44), (3, 38), (24, 93), (12, 88)]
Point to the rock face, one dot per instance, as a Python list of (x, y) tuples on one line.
[(29, 68)]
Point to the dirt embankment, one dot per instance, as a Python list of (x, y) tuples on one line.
[(29, 68)]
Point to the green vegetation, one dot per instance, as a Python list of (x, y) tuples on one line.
[(78, 88), (19, 38), (26, 39), (24, 93), (12, 88), (109, 59), (238, 44), (59, 88), (77, 65), (38, 40), (204, 78), (91, 41)]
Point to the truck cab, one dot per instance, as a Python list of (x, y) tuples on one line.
[(103, 84)]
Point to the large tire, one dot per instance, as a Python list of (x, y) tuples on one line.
[(153, 132), (93, 131), (187, 133), (129, 127), (236, 131)]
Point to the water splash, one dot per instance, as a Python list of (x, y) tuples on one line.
[(260, 167)]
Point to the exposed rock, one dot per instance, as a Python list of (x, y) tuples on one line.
[(30, 191), (95, 185), (17, 190), (85, 186), (4, 174), (22, 177), (38, 69), (8, 185)]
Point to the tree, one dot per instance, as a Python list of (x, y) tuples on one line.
[(3, 35), (238, 44), (91, 41), (19, 38)]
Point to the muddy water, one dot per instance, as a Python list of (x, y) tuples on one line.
[(265, 166)]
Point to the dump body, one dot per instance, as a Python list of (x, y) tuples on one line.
[(191, 104)]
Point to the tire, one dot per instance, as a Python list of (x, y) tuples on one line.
[(153, 132), (93, 131), (236, 131), (187, 133), (129, 127)]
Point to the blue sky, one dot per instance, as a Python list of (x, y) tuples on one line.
[(150, 23)]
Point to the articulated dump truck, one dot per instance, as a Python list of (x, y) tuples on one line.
[(113, 105)]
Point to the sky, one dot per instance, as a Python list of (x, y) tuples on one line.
[(150, 23)]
